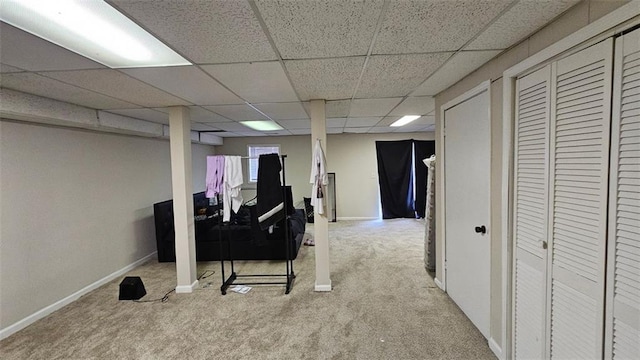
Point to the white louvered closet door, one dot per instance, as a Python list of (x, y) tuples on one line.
[(530, 217), (580, 133), (623, 285)]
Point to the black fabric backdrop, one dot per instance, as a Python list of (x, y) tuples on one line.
[(269, 189), (423, 149), (396, 178)]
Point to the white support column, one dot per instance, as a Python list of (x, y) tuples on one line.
[(182, 185), (320, 223)]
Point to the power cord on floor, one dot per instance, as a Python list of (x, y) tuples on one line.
[(165, 298), (206, 274)]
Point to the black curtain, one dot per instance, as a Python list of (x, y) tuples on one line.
[(395, 178), (423, 149)]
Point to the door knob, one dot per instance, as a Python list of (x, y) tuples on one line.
[(481, 229)]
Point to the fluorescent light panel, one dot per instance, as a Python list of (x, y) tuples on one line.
[(262, 125), (92, 29), (404, 120)]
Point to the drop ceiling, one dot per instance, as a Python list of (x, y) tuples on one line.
[(373, 61)]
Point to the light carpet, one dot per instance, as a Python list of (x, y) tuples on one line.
[(383, 305)]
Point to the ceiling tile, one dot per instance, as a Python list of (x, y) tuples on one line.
[(277, 133), (199, 114), (524, 18), (420, 26), (459, 66), (186, 82), (43, 86), (205, 32), (295, 124), (362, 122), (372, 107), (237, 112), (380, 130), (338, 108), (415, 106), (144, 114), (300, 131), (29, 52), (388, 120), (329, 79), (251, 133), (283, 111), (333, 108), (118, 85), (334, 130), (336, 122), (4, 68), (424, 120), (356, 130), (320, 28), (255, 82), (411, 128), (397, 75)]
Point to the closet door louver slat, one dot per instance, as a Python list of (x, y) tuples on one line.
[(623, 286), (578, 188), (530, 230)]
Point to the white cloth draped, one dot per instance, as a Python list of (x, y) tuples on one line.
[(232, 196), (319, 178)]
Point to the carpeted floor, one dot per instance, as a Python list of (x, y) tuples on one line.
[(383, 306)]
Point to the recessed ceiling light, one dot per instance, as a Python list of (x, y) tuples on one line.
[(92, 29), (265, 125), (404, 120)]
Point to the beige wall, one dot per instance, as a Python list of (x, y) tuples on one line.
[(576, 18), (296, 166), (351, 156), (76, 206)]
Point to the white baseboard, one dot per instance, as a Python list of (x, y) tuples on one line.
[(19, 325), (323, 288), (356, 218), (439, 284), (497, 350), (185, 289)]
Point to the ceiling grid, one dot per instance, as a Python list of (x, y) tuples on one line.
[(372, 61)]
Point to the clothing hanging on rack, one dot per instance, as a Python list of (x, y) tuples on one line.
[(232, 196), (319, 178), (215, 175), (269, 191), (268, 166)]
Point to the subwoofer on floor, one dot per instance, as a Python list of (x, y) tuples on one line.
[(132, 288)]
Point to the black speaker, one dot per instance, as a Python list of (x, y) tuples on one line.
[(132, 288)]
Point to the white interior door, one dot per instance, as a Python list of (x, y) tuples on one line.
[(623, 286), (467, 206), (531, 144)]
